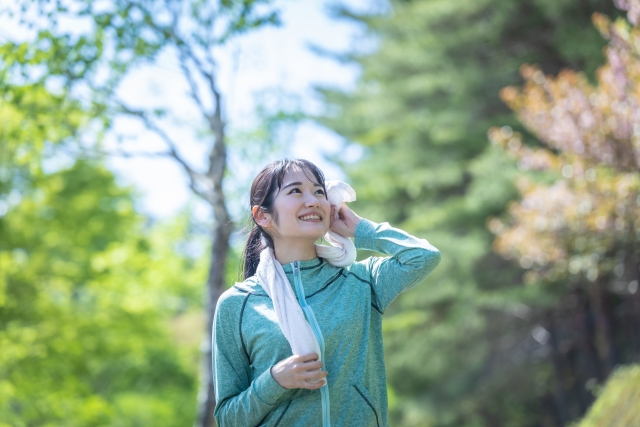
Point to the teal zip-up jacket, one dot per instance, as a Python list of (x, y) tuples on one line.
[(348, 304)]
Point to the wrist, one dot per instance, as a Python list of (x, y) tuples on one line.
[(274, 375), (352, 230)]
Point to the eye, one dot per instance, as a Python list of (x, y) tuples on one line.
[(295, 189), (320, 191)]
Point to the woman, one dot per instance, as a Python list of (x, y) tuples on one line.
[(258, 381)]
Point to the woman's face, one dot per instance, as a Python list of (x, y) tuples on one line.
[(301, 207)]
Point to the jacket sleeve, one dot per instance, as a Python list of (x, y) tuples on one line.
[(411, 261), (239, 401)]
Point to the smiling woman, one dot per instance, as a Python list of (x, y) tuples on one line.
[(303, 214), (299, 342)]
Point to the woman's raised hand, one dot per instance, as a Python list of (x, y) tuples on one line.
[(345, 224), (300, 372)]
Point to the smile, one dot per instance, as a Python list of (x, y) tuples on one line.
[(311, 218)]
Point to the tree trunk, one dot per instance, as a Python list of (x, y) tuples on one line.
[(216, 282), (559, 393), (587, 363), (635, 298), (603, 326), (215, 288)]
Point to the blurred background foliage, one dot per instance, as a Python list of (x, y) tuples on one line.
[(505, 132), (489, 341), (618, 403), (89, 293)]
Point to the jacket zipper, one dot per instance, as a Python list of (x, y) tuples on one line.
[(311, 318)]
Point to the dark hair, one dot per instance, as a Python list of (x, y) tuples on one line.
[(264, 189)]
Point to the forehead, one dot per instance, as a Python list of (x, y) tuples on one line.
[(296, 174)]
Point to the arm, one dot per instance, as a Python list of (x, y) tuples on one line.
[(239, 401), (411, 261)]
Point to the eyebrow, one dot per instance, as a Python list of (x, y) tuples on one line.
[(299, 183)]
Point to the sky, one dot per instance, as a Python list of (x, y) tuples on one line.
[(270, 59)]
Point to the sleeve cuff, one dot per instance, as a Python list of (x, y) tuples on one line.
[(267, 388)]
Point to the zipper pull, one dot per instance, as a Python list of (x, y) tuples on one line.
[(295, 267)]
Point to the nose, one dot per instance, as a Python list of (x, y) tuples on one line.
[(311, 200)]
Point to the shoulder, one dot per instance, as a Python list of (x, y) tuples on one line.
[(233, 298), (249, 286)]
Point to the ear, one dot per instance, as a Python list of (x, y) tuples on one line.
[(262, 218)]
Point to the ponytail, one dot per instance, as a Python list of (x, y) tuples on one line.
[(251, 255)]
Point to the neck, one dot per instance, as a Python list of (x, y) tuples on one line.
[(290, 251)]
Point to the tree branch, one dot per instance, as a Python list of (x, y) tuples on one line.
[(193, 88), (197, 180), (187, 53), (208, 75), (132, 154)]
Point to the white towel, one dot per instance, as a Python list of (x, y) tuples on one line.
[(289, 313), (342, 253), (273, 280)]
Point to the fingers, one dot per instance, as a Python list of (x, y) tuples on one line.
[(313, 380), (307, 362), (300, 371), (313, 376), (308, 366), (344, 209), (308, 357), (344, 213), (347, 213), (309, 373), (315, 386)]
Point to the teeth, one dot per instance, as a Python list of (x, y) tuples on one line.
[(308, 217)]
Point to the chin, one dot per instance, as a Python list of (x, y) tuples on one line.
[(317, 235), (311, 232)]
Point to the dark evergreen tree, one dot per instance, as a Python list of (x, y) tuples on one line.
[(466, 349)]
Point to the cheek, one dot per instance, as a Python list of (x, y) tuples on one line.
[(285, 208), (326, 207)]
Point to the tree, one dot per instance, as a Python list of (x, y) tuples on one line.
[(83, 335), (123, 35), (577, 226), (464, 351), (589, 141)]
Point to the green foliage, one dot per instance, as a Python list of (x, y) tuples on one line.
[(91, 45), (33, 121), (86, 298), (86, 293), (618, 402), (600, 175), (459, 348)]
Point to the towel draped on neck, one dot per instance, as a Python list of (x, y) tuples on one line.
[(272, 278)]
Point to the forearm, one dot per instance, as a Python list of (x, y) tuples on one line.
[(249, 407), (412, 259)]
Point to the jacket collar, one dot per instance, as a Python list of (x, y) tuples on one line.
[(304, 265)]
